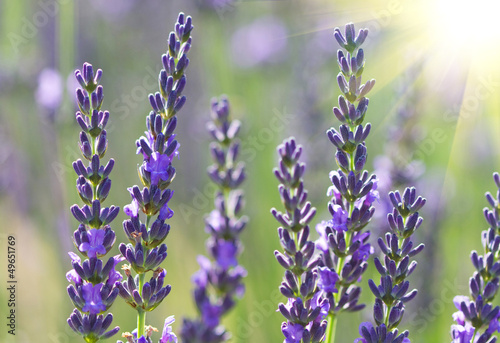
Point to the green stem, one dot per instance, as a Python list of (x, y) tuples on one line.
[(141, 314), (331, 328)]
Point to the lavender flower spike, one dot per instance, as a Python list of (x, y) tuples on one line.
[(398, 248), (343, 241), (305, 310), (477, 319), (146, 251), (93, 288), (219, 281)]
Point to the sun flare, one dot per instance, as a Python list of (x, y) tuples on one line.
[(473, 25)]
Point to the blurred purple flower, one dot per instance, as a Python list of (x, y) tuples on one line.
[(226, 254), (50, 89), (211, 314), (263, 41), (200, 278)]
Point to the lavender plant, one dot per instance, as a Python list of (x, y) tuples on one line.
[(477, 318), (343, 243), (93, 290), (146, 250), (392, 293), (306, 308), (219, 281)]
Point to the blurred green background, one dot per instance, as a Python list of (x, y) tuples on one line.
[(276, 61)]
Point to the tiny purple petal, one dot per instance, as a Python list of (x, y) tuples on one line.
[(167, 335)]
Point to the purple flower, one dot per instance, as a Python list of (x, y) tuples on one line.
[(290, 174), (210, 314), (462, 334), (92, 297), (132, 210), (149, 139), (365, 250), (373, 194), (72, 275), (494, 325), (94, 236), (175, 152), (339, 220), (216, 221), (218, 282), (338, 223), (166, 212), (292, 332), (459, 317), (327, 279), (318, 300), (115, 275), (322, 241), (167, 335), (95, 245), (142, 339), (200, 278), (368, 326), (157, 166), (226, 254)]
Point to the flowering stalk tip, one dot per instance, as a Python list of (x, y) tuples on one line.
[(343, 242), (146, 249), (219, 281), (92, 288), (393, 292), (303, 283)]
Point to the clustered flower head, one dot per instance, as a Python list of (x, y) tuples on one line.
[(219, 281), (93, 289), (306, 309), (477, 318), (343, 243), (398, 248), (146, 251)]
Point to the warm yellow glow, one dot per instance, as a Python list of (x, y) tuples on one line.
[(470, 24)]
